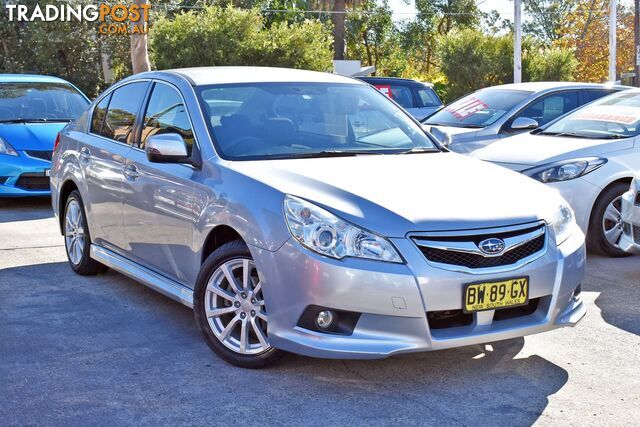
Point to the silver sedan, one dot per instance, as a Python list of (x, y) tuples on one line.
[(306, 212)]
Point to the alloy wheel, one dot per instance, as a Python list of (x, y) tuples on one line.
[(235, 308), (612, 222), (74, 232)]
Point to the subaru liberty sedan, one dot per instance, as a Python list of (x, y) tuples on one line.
[(33, 109), (491, 114), (305, 212)]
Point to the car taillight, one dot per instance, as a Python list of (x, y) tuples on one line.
[(55, 144)]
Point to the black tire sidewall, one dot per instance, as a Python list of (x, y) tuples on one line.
[(87, 265), (596, 240), (232, 250)]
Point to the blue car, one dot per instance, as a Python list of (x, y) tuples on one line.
[(33, 109)]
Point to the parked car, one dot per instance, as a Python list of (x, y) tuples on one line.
[(285, 227), (630, 240), (418, 98), (589, 156), (488, 115), (33, 109)]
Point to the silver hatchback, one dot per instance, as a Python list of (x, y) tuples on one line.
[(306, 212)]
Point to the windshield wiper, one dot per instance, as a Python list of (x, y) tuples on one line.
[(42, 120), (324, 153), (569, 134), (418, 151)]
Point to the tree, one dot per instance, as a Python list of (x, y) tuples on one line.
[(139, 51), (232, 36), (586, 31), (471, 60), (546, 18)]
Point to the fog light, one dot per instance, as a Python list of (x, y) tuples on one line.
[(577, 291), (324, 320)]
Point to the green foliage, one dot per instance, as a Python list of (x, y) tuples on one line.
[(552, 64), (471, 60), (231, 36)]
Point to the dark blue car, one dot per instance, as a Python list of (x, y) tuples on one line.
[(33, 109)]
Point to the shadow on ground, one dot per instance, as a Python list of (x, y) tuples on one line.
[(619, 300), (14, 209), (107, 350)]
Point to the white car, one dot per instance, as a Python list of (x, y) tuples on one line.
[(630, 241), (589, 156)]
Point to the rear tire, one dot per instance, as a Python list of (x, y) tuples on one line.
[(229, 308), (77, 240), (605, 225)]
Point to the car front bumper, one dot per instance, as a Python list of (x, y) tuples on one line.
[(630, 240), (23, 176), (394, 299)]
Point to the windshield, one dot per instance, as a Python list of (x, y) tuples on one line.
[(478, 110), (289, 120), (24, 102), (611, 117)]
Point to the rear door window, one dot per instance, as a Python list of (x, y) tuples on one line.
[(123, 110), (428, 98), (593, 94)]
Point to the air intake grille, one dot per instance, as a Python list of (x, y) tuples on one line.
[(29, 181), (636, 234), (42, 155), (454, 250), (638, 199), (3, 179)]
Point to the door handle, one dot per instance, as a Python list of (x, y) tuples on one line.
[(131, 172), (85, 154)]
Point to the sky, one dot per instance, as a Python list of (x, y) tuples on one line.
[(504, 7)]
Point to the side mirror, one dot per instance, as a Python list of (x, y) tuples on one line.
[(166, 148), (442, 137), (524, 123)]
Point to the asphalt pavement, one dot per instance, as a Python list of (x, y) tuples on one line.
[(106, 350)]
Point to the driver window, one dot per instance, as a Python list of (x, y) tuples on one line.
[(166, 113), (550, 107)]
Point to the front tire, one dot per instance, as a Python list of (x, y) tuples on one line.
[(605, 226), (77, 240), (229, 308)]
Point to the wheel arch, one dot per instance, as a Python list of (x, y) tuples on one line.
[(217, 237), (623, 180), (65, 190)]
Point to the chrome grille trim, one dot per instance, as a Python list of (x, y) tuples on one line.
[(464, 244)]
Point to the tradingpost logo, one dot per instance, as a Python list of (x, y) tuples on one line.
[(117, 18)]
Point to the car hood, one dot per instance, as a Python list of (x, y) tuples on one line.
[(396, 194), (31, 136), (527, 149)]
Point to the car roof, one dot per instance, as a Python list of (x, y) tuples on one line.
[(228, 75), (29, 78), (545, 86), (374, 79)]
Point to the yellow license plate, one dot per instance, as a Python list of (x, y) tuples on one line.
[(495, 295)]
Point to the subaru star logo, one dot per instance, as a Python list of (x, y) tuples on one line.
[(493, 246)]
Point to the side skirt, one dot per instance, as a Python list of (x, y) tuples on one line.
[(155, 281)]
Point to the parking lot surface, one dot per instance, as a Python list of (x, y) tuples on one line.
[(107, 350)]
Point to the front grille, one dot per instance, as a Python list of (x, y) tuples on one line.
[(42, 155), (636, 234), (444, 249), (33, 181)]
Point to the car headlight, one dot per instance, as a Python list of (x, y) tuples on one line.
[(564, 170), (324, 233), (6, 148), (564, 223)]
